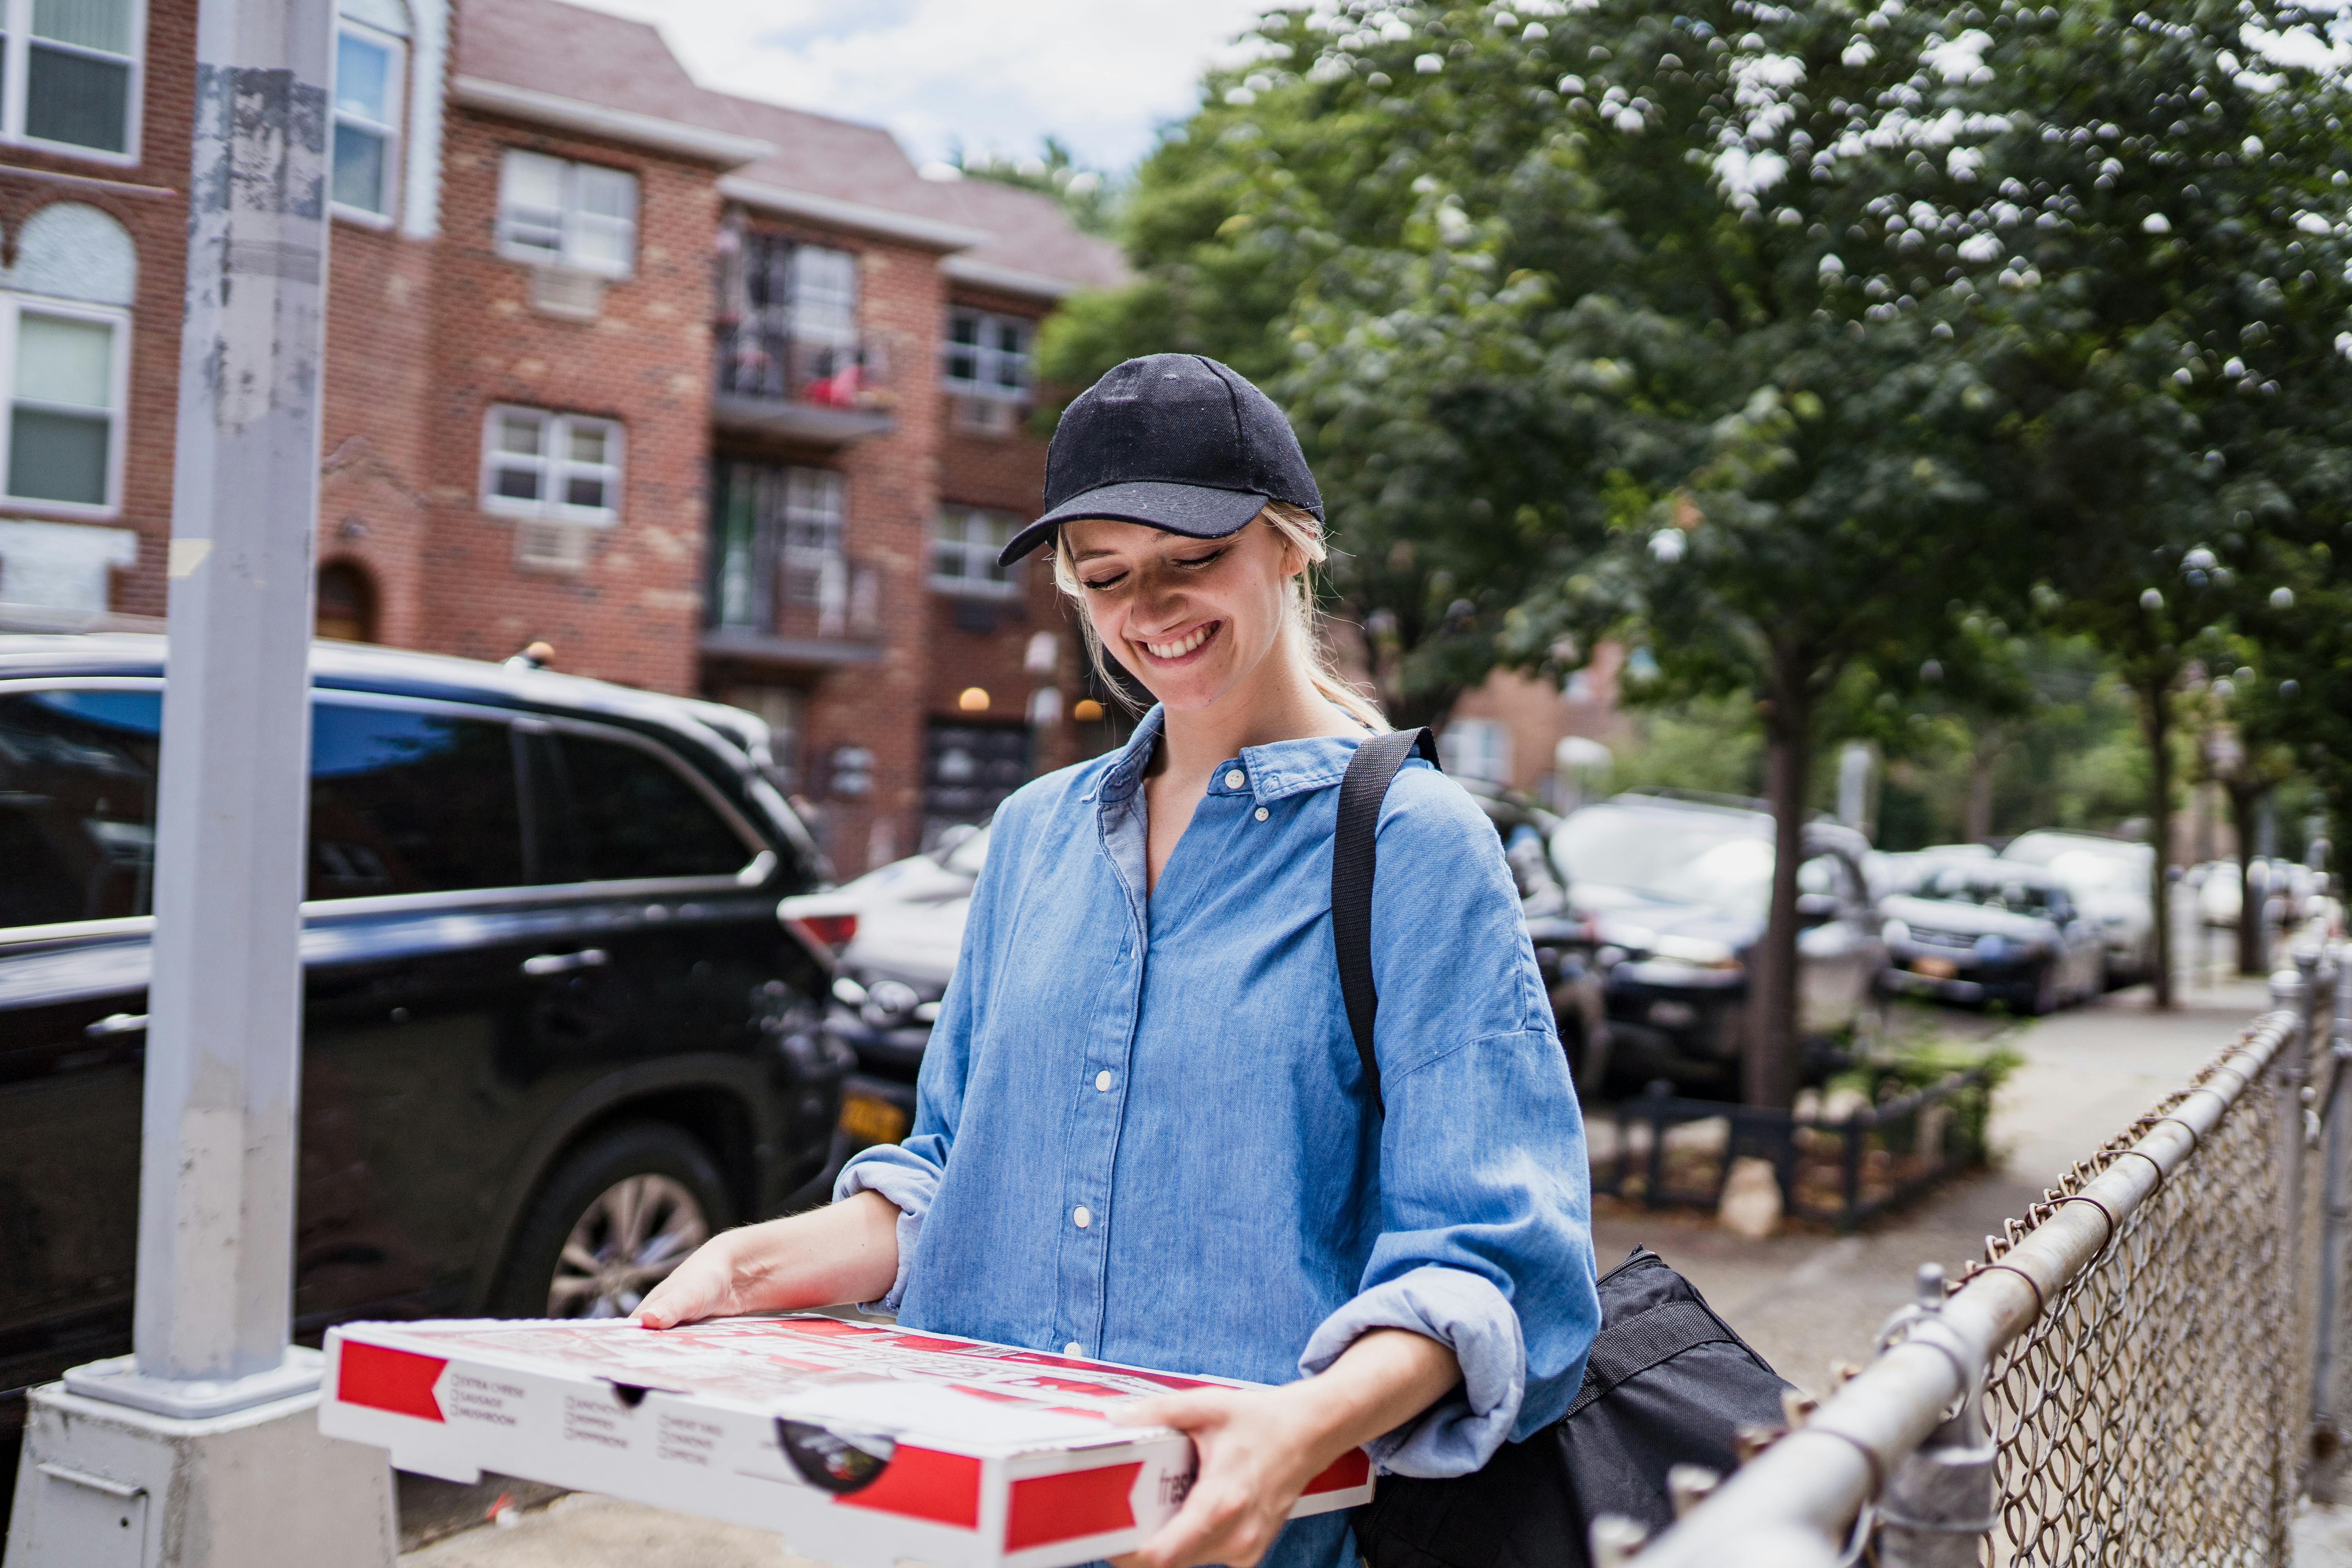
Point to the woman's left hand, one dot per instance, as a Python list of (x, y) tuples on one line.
[(1258, 1447)]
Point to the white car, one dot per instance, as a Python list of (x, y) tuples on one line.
[(2110, 880)]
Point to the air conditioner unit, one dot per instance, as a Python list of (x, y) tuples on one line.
[(553, 546)]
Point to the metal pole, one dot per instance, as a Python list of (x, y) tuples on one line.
[(2331, 1408), (216, 1181)]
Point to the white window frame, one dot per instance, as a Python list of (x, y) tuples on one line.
[(826, 511), (809, 309), (571, 217), (12, 306), (973, 556), (986, 356), (395, 150), (16, 77), (554, 466), (1471, 745)]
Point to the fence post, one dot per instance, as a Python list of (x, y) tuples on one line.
[(1938, 1505), (2331, 1409)]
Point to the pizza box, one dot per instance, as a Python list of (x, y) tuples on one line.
[(861, 1445)]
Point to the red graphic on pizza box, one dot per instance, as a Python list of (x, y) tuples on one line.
[(862, 1444)]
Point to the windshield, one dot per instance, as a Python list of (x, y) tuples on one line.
[(2097, 871), (1970, 885), (1722, 862)]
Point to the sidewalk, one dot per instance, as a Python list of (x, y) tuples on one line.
[(1806, 1302)]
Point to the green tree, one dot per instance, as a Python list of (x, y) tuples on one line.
[(1090, 198), (2151, 238)]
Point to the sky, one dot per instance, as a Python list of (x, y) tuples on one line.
[(992, 75)]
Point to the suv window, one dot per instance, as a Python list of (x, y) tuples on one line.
[(404, 801), (634, 816), (77, 805)]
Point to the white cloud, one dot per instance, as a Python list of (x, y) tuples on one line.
[(999, 75)]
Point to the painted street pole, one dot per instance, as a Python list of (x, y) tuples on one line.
[(224, 1040), (212, 1418)]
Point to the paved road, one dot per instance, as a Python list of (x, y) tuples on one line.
[(1806, 1301)]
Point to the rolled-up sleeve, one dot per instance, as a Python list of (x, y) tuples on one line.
[(908, 1172), (1485, 1198)]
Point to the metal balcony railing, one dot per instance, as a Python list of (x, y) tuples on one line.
[(762, 361)]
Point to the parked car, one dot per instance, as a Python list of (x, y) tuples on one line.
[(896, 931), (1680, 891), (1906, 870), (554, 1032), (2110, 882), (1993, 930), (1566, 943)]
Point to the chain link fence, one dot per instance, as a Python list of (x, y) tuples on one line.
[(2133, 1374), (2142, 1418)]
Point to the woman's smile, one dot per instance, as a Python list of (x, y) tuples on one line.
[(1185, 647)]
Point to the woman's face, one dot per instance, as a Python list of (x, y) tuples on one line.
[(1193, 619)]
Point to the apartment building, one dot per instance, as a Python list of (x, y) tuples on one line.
[(708, 394)]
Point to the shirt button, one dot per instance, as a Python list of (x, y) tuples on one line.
[(1261, 813), (1234, 779), (1080, 1217), (1102, 1081), (1074, 1348)]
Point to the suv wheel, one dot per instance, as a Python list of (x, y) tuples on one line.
[(616, 1218)]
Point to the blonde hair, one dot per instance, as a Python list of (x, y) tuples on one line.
[(1303, 532)]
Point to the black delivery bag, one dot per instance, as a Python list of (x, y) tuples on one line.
[(1668, 1384)]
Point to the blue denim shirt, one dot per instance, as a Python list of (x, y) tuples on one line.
[(1143, 1132)]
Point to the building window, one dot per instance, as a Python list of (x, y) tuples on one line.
[(777, 554), (964, 551), (563, 467), (556, 213), (812, 534), (79, 62), (64, 442), (1477, 749), (371, 62), (987, 355), (823, 295)]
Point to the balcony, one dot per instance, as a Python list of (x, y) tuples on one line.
[(819, 392), (817, 608)]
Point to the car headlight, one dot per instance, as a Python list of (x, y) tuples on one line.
[(1894, 931), (1696, 952)]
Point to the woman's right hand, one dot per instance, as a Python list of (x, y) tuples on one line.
[(846, 1251), (707, 1285)]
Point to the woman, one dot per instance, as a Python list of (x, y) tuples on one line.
[(1143, 1131)]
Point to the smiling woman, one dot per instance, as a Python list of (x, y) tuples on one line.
[(1143, 1130)]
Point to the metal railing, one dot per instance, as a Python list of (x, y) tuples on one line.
[(1840, 1167), (2138, 1372)]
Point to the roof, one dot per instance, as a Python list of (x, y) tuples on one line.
[(571, 53), (562, 64)]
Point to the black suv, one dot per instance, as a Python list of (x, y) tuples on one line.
[(554, 1031)]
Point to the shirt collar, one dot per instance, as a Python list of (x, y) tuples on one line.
[(1273, 771), (1126, 771)]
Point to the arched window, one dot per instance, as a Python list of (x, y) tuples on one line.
[(346, 602), (371, 71), (65, 342)]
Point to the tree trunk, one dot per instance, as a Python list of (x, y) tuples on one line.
[(2156, 723), (1976, 827), (2245, 809), (1768, 1066)]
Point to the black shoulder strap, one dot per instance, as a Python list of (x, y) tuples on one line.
[(1352, 854)]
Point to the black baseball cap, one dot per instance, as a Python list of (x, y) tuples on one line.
[(1174, 441)]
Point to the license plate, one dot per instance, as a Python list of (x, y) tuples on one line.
[(1934, 968), (872, 1119)]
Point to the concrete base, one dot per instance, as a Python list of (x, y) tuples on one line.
[(105, 1486)]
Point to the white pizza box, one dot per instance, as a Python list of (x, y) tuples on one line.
[(862, 1445)]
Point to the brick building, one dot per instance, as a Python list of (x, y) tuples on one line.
[(710, 396)]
